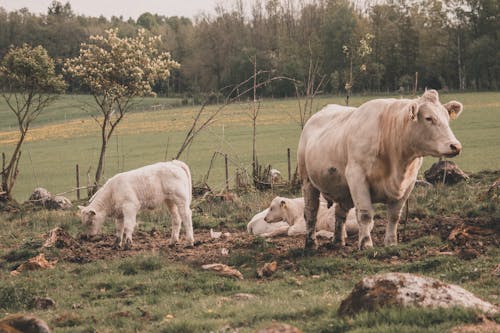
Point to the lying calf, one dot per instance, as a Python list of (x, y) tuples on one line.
[(286, 217), (124, 194)]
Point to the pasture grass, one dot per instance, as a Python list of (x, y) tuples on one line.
[(65, 135), (148, 293)]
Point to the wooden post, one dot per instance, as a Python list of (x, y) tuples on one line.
[(227, 172), (415, 88), (77, 182), (289, 165)]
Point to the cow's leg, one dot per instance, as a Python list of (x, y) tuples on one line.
[(176, 223), (119, 233), (311, 200), (340, 232), (129, 222), (393, 214), (186, 217), (360, 193)]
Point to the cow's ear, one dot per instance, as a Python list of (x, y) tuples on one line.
[(283, 204), (454, 108), (413, 111), (81, 208)]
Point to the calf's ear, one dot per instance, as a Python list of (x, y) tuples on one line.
[(454, 108), (81, 207), (413, 111)]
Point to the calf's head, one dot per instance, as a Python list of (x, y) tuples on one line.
[(91, 220), (432, 134), (276, 211)]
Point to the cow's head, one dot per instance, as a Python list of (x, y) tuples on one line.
[(91, 219), (276, 211), (432, 133)]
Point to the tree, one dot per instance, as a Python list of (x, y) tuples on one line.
[(117, 70), (28, 84)]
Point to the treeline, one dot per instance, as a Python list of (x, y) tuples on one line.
[(320, 45)]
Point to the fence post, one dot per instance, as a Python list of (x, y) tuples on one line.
[(227, 172), (289, 165), (77, 182)]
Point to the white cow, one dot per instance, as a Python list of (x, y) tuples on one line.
[(285, 216), (124, 194), (356, 157)]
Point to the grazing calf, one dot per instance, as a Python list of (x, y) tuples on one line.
[(126, 193), (372, 154), (286, 217)]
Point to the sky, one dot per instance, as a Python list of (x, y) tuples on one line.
[(125, 8)]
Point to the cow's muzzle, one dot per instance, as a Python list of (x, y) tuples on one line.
[(455, 149)]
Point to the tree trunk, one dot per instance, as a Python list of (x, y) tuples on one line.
[(100, 164)]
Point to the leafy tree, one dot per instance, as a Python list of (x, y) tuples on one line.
[(116, 71), (28, 84)]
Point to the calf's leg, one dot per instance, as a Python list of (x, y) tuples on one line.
[(129, 222), (311, 201), (119, 233), (186, 217), (176, 223)]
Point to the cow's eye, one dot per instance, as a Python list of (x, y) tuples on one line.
[(270, 209), (429, 119)]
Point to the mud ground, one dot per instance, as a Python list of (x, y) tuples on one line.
[(466, 238)]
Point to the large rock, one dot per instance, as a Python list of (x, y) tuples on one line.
[(404, 290), (42, 197), (446, 172)]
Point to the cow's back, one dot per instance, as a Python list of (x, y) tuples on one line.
[(151, 185)]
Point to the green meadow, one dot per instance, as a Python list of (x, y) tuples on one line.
[(158, 290), (66, 135)]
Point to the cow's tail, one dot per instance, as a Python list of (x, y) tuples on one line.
[(185, 167)]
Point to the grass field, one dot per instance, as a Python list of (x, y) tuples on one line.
[(156, 289), (66, 135)]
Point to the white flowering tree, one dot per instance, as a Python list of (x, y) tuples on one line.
[(359, 52), (29, 84), (116, 70)]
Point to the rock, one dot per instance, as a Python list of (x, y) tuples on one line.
[(405, 290), (244, 296), (23, 323), (44, 303), (38, 262), (61, 239), (468, 254), (224, 270), (39, 196), (447, 169), (42, 197), (279, 328), (268, 269)]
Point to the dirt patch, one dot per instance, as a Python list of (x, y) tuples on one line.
[(458, 234)]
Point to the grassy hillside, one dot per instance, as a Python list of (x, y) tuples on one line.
[(66, 135)]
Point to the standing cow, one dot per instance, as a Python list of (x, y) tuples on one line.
[(356, 157), (124, 194)]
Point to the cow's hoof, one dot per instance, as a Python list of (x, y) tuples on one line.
[(390, 241), (128, 245), (189, 246), (365, 243), (311, 244), (172, 244), (117, 244)]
